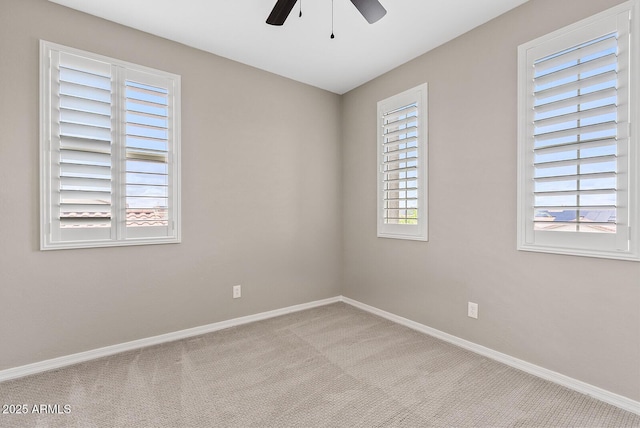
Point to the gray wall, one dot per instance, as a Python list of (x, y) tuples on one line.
[(255, 210), (577, 316)]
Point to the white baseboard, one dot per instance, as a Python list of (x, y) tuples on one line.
[(560, 379), (56, 363), (574, 384)]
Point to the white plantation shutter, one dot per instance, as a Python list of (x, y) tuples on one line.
[(110, 146), (577, 113), (402, 175), (400, 165), (82, 135), (147, 162), (575, 149)]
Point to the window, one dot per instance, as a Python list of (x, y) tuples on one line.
[(109, 151), (402, 162), (578, 159)]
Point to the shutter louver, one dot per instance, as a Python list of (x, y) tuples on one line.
[(575, 138), (400, 166), (147, 155), (82, 101)]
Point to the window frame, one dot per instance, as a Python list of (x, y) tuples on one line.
[(624, 243), (418, 232), (50, 234)]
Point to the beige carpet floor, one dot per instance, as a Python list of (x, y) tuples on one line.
[(333, 366)]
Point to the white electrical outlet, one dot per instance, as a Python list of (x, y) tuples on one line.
[(472, 310), (237, 291)]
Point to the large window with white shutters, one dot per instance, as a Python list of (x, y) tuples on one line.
[(402, 165), (578, 157), (110, 146)]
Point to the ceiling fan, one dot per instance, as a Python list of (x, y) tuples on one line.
[(372, 10)]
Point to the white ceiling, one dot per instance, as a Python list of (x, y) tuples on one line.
[(301, 49)]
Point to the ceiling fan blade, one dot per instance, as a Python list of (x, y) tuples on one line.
[(280, 12), (372, 10)]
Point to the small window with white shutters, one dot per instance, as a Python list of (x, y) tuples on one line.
[(578, 152), (109, 151), (402, 165)]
